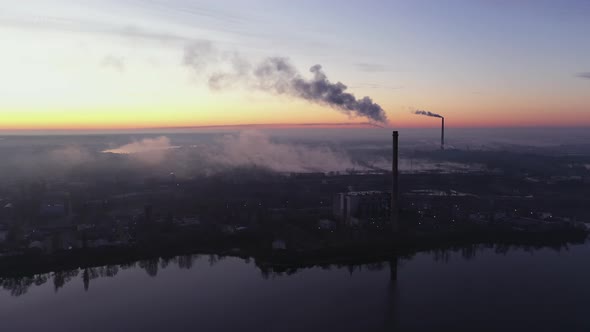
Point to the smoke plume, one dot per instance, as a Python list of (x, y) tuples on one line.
[(277, 75), (248, 148), (116, 63), (427, 113), (148, 150), (69, 155), (198, 55), (253, 148)]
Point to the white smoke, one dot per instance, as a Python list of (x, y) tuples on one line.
[(420, 165), (253, 148), (245, 149), (70, 155), (149, 150)]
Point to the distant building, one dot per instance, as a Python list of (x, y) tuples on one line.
[(279, 244), (52, 209), (545, 215), (359, 207), (55, 209), (55, 204), (326, 225)]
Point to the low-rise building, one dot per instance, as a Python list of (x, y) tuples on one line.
[(358, 207)]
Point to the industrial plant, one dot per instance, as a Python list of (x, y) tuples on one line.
[(295, 218)]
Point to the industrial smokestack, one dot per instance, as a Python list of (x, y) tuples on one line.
[(442, 135), (394, 185), (434, 115)]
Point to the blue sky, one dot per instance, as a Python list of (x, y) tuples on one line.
[(482, 61)]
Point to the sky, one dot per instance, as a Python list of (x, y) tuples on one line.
[(113, 64)]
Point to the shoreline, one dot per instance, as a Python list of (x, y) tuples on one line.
[(379, 249)]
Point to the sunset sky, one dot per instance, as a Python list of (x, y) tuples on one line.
[(122, 63)]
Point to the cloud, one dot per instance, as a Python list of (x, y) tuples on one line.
[(195, 10), (377, 86), (93, 27), (585, 75), (114, 62), (371, 67)]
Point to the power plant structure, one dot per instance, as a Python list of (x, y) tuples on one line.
[(442, 118), (354, 208), (394, 209), (442, 134)]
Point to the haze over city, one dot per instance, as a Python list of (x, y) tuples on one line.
[(274, 165)]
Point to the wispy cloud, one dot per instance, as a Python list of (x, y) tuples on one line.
[(94, 27), (155, 20), (275, 125), (114, 62), (376, 86), (192, 10), (585, 75), (371, 67)]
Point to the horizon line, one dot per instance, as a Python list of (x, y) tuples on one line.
[(351, 125)]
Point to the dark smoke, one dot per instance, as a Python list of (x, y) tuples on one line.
[(427, 113), (240, 69), (198, 55), (279, 76)]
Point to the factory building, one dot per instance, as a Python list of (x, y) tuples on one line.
[(55, 209), (362, 207), (372, 208)]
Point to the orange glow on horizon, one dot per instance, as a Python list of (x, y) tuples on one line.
[(291, 115), (427, 123)]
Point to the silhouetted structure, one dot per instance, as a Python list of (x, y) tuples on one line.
[(442, 134), (360, 207), (394, 185)]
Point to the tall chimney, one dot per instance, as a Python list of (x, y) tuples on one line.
[(394, 185), (442, 134)]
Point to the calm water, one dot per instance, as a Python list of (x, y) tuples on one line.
[(476, 290)]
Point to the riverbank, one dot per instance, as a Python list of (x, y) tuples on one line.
[(377, 248)]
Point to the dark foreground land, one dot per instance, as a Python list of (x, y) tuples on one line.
[(286, 221), (349, 247)]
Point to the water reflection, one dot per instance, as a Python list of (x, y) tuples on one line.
[(392, 297), (18, 286), (469, 252)]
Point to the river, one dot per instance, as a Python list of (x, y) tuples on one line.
[(473, 289)]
